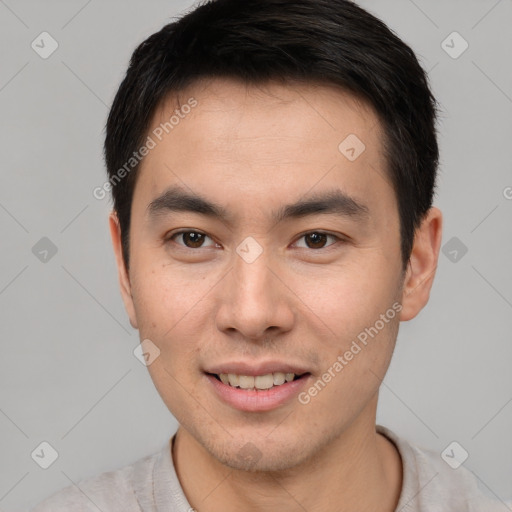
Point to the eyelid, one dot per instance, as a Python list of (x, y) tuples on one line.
[(337, 238), (169, 238)]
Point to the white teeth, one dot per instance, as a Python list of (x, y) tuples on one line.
[(279, 378), (233, 379), (246, 381), (259, 382), (264, 381)]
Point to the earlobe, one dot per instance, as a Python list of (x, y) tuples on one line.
[(422, 265), (124, 278)]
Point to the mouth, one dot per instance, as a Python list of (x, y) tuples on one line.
[(263, 391), (257, 382)]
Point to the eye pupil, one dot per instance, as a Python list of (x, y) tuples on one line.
[(317, 239), (195, 238)]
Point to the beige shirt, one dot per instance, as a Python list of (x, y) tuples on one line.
[(151, 485)]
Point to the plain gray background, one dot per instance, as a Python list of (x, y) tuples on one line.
[(68, 375)]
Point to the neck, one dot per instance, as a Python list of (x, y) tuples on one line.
[(358, 470)]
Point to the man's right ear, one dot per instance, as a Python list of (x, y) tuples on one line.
[(124, 278)]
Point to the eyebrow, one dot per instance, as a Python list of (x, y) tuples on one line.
[(334, 202)]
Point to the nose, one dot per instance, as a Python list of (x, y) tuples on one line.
[(255, 301)]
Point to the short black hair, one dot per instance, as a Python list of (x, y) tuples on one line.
[(334, 42)]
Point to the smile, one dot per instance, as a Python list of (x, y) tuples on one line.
[(260, 382), (257, 393)]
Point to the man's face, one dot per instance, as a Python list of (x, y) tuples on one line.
[(253, 294)]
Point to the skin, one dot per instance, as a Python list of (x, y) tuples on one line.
[(252, 150)]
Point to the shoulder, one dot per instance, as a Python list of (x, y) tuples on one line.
[(109, 491), (434, 482)]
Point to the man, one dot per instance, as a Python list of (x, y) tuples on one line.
[(273, 165)]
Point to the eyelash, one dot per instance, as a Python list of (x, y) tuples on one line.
[(171, 237)]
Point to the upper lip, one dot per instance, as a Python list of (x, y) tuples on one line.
[(254, 369)]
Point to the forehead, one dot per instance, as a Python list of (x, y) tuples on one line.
[(236, 112), (262, 141)]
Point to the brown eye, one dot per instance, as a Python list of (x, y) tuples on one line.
[(190, 239), (317, 240)]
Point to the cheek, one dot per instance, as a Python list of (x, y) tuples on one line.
[(354, 364), (170, 307), (163, 296), (347, 299), (168, 310)]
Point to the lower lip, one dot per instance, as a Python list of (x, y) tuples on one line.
[(261, 400)]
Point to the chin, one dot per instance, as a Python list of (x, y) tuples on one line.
[(258, 455), (262, 462)]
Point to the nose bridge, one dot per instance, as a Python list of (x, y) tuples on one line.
[(253, 301), (253, 278)]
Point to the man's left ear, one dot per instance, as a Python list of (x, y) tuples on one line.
[(422, 264)]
